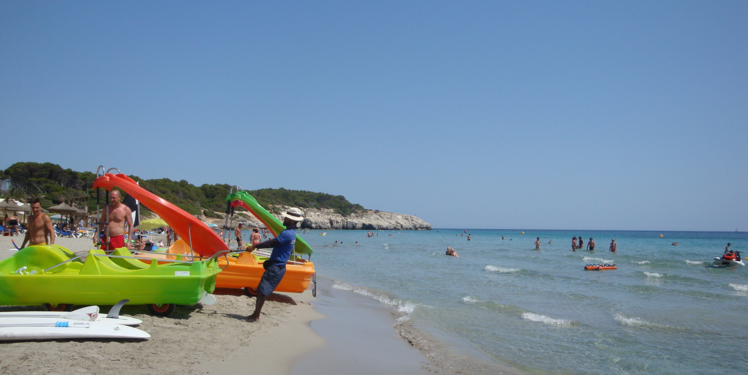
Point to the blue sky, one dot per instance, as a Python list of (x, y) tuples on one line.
[(495, 114)]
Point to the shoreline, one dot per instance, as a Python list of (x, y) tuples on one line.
[(217, 339)]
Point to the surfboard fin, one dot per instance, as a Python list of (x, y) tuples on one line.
[(114, 312)]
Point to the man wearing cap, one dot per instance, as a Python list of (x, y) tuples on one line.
[(275, 266)]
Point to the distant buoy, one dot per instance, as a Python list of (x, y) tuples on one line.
[(523, 232), (660, 235)]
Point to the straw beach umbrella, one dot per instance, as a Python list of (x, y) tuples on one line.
[(63, 208), (8, 204)]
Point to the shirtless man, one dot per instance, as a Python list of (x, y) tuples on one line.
[(40, 226), (255, 238), (537, 244), (119, 215), (613, 246), (238, 234), (574, 243), (591, 245), (11, 221)]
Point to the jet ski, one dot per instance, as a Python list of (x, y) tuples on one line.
[(732, 258)]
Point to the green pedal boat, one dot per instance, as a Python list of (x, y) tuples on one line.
[(55, 276)]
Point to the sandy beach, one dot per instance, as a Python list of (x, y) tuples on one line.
[(218, 339)]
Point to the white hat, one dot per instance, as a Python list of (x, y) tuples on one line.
[(294, 214)]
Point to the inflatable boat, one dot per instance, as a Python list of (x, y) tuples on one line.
[(600, 267)]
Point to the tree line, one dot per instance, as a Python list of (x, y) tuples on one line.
[(53, 185)]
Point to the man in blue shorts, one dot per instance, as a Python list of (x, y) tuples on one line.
[(275, 266)]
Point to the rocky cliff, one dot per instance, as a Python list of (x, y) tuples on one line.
[(329, 219)]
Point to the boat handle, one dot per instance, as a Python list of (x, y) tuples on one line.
[(224, 254), (102, 169), (59, 264), (159, 260)]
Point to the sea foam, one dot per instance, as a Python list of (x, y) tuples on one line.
[(404, 307), (642, 262), (544, 319), (468, 299), (500, 269), (653, 274), (635, 322), (739, 287), (599, 260), (694, 261)]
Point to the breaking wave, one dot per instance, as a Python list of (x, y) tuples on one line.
[(739, 287), (469, 299), (653, 274), (599, 260), (544, 319), (500, 269), (693, 261), (401, 306), (642, 262), (635, 322)]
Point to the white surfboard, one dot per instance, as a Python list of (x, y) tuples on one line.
[(90, 313), (16, 329)]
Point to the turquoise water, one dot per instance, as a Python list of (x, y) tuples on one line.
[(663, 311)]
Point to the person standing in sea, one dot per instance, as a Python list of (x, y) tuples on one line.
[(275, 266), (581, 243), (255, 237), (591, 245), (613, 246), (238, 234), (574, 243), (537, 244)]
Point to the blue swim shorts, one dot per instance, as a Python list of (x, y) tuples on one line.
[(271, 278)]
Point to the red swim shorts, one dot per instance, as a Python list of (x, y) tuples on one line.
[(115, 242)]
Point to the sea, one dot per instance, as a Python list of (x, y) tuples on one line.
[(664, 310)]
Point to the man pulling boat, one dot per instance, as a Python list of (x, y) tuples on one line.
[(275, 266)]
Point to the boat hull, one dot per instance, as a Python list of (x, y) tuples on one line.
[(720, 262), (99, 281)]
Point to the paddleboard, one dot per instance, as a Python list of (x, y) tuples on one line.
[(23, 329), (90, 313)]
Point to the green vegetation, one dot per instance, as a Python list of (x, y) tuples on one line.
[(53, 184)]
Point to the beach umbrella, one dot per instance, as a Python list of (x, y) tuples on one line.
[(63, 208), (152, 224), (8, 204), (22, 208)]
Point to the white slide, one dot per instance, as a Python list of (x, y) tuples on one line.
[(86, 314), (23, 329)]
